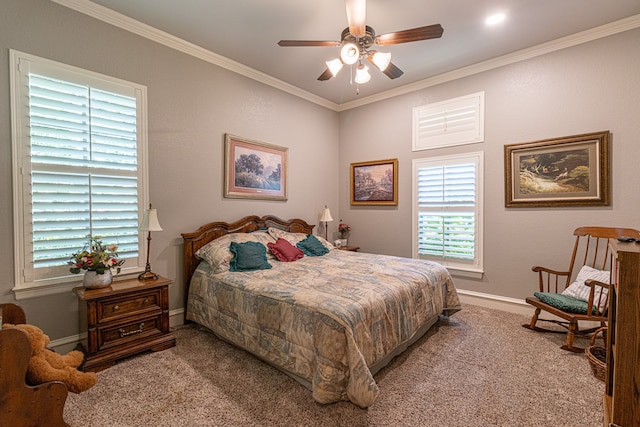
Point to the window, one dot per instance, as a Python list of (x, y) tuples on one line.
[(79, 155), (447, 209), (455, 121)]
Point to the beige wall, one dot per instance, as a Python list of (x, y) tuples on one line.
[(587, 88), (191, 105)]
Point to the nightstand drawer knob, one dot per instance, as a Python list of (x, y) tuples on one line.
[(116, 307), (124, 333)]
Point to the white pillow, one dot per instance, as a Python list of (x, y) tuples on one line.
[(581, 291), (217, 251)]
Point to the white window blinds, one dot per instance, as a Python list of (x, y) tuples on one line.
[(452, 122), (79, 149), (447, 208)]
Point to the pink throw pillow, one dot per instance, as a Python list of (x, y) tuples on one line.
[(285, 251)]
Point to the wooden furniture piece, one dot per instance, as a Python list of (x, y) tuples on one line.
[(592, 249), (622, 379), (23, 405), (128, 317), (349, 248)]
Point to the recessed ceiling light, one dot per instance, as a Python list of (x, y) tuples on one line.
[(495, 19)]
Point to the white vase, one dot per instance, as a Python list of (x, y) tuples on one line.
[(93, 280)]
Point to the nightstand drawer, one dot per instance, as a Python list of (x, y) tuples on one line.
[(118, 307), (135, 330)]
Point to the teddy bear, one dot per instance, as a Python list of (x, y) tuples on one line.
[(46, 365)]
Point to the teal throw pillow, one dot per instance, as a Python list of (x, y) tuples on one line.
[(248, 256), (312, 246)]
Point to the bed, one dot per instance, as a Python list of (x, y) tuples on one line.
[(329, 318)]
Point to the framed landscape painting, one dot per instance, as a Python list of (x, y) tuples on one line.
[(568, 171), (254, 170), (374, 183)]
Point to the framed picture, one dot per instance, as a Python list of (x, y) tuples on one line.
[(374, 183), (254, 170), (569, 171)]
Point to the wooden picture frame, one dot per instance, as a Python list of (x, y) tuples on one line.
[(558, 172), (254, 170), (374, 183)]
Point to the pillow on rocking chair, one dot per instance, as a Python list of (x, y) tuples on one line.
[(581, 291)]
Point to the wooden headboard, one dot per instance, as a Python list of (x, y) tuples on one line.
[(211, 231)]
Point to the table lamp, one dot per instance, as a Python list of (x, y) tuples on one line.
[(149, 223)]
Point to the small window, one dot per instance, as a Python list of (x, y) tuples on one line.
[(79, 150), (452, 122), (447, 210)]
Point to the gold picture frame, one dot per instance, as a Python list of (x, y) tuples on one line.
[(558, 172), (254, 170), (374, 183)]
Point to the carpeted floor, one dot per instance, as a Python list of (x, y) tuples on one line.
[(479, 368)]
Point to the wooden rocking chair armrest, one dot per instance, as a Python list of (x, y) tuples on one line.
[(591, 303), (539, 269), (548, 279), (592, 283)]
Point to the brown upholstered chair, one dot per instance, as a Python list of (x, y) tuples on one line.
[(22, 405), (591, 249)]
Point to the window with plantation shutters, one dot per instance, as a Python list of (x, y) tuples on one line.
[(455, 121), (447, 206), (80, 152)]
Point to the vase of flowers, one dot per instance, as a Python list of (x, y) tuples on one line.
[(343, 230), (97, 259)]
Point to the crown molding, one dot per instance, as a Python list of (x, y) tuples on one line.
[(606, 30), (136, 27), (121, 21)]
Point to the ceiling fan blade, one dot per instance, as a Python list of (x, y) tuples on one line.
[(415, 34), (290, 43), (392, 71), (356, 13), (326, 75)]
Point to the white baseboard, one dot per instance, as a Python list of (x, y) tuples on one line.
[(176, 317), (512, 305)]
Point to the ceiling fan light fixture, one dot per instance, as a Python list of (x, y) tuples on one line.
[(350, 53), (381, 60), (335, 65), (362, 75)]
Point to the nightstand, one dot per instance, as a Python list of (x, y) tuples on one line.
[(128, 317), (349, 248)]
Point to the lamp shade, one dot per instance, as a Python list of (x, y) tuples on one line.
[(362, 74), (326, 215), (381, 60), (150, 220), (350, 53), (335, 65)]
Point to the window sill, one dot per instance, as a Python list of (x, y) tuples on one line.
[(45, 289), (466, 274)]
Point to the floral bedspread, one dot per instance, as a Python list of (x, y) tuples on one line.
[(324, 319)]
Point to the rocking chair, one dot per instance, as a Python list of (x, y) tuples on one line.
[(586, 299)]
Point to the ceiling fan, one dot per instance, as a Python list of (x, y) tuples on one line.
[(357, 41)]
